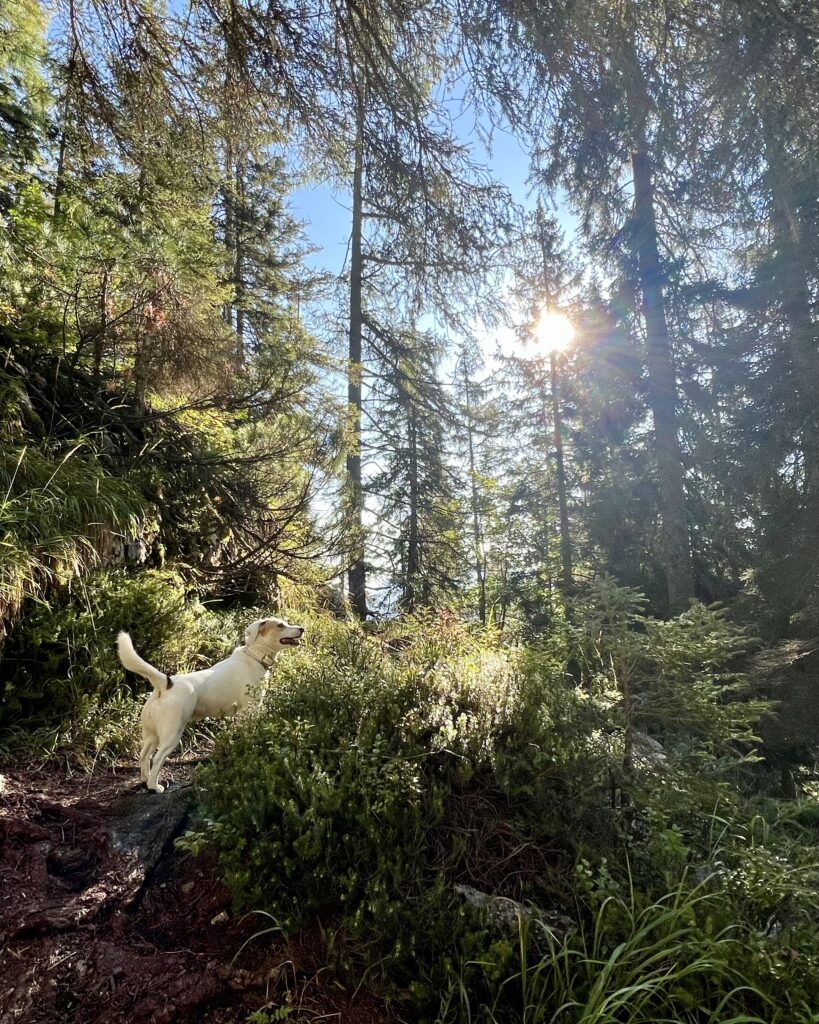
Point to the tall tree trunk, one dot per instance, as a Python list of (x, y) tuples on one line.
[(59, 180), (413, 541), (662, 389), (549, 284), (102, 331), (356, 573), (239, 285), (662, 383), (229, 199), (476, 522), (565, 538), (795, 302), (139, 369)]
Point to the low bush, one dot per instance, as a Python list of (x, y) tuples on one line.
[(385, 769)]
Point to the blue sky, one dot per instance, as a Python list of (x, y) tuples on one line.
[(325, 212)]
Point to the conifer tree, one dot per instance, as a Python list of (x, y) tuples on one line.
[(420, 506), (580, 83)]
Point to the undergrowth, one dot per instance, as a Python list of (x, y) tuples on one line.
[(561, 830), (390, 774)]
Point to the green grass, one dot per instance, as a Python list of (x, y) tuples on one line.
[(642, 965)]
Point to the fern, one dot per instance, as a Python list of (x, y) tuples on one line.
[(58, 512)]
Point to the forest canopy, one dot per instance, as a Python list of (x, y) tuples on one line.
[(180, 386)]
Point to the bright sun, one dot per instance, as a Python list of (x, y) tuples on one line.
[(553, 332)]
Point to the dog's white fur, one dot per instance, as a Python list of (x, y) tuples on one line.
[(215, 692)]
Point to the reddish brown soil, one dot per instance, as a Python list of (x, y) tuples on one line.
[(90, 934)]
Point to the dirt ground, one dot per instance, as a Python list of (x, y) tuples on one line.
[(102, 921)]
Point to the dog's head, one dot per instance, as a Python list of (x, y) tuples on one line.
[(273, 634)]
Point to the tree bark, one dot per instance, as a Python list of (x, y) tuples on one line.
[(565, 537), (795, 302), (662, 389), (59, 181), (228, 197), (356, 573), (476, 522), (239, 285), (102, 331), (662, 382), (413, 542), (549, 284)]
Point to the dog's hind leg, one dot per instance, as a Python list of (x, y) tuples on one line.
[(149, 744), (166, 745)]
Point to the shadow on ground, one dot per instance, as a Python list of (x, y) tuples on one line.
[(101, 920)]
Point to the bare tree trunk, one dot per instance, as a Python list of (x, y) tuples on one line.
[(504, 590), (662, 382), (102, 331), (239, 287), (139, 369), (228, 197), (356, 573), (662, 389), (413, 543), (59, 181), (549, 286), (565, 538), (795, 300), (476, 523)]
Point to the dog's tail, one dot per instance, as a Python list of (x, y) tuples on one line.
[(131, 660)]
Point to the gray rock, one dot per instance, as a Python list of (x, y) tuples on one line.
[(648, 752), (505, 914), (144, 823)]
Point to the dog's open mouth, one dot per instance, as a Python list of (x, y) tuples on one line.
[(290, 641)]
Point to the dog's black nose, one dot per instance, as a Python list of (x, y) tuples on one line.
[(301, 630)]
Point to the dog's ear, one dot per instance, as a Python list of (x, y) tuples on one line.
[(253, 631)]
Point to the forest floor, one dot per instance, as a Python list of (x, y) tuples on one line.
[(102, 920)]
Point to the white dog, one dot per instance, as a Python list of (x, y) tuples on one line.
[(210, 693)]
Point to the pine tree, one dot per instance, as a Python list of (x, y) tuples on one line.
[(580, 84), (23, 95), (758, 170), (418, 488), (472, 396)]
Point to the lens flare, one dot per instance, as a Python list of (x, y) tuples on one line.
[(554, 332)]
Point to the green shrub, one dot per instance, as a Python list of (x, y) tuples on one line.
[(58, 507), (386, 765), (337, 794), (330, 794)]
